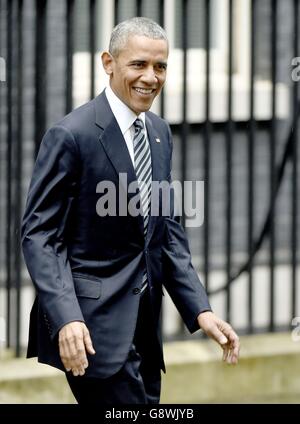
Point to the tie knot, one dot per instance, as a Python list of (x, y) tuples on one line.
[(138, 125)]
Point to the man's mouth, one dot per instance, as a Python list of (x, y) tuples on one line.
[(146, 91)]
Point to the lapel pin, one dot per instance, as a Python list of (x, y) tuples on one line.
[(157, 140)]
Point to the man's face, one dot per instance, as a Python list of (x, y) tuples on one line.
[(138, 73)]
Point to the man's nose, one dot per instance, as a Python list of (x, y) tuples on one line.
[(149, 76)]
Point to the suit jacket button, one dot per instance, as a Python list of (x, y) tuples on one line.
[(136, 290)]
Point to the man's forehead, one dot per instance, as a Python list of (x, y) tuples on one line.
[(141, 41), (145, 49)]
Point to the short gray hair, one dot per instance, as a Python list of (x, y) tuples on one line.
[(134, 26)]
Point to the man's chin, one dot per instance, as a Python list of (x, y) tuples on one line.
[(141, 106), (139, 110)]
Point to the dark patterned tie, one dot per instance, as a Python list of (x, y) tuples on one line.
[(142, 164)]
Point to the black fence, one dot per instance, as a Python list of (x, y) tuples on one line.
[(248, 161)]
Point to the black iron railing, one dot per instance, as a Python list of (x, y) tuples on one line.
[(281, 163)]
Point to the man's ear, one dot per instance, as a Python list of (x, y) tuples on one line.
[(107, 62)]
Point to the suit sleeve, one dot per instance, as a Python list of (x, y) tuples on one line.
[(50, 198), (180, 278)]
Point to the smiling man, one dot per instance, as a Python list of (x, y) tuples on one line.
[(99, 277), (137, 70)]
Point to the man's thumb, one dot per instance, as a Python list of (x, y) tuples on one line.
[(88, 344), (222, 339), (219, 337)]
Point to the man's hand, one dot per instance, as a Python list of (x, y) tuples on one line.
[(74, 341), (222, 333)]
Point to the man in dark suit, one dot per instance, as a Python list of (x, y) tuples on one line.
[(99, 275)]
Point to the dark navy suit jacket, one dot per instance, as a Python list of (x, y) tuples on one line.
[(89, 268)]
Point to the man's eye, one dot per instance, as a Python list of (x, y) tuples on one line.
[(162, 67), (138, 65)]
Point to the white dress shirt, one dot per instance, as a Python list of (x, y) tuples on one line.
[(125, 118)]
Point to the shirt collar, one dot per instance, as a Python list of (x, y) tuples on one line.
[(124, 116)]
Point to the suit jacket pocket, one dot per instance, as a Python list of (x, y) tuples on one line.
[(86, 286)]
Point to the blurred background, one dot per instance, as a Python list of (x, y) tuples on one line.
[(232, 100)]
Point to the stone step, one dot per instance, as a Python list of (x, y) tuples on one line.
[(268, 372)]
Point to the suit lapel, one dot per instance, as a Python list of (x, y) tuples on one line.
[(115, 146), (112, 140)]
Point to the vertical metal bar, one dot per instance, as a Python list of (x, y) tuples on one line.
[(162, 23), (139, 5), (116, 12), (207, 137), (18, 178), (251, 147), (2, 93), (69, 54), (40, 72), (3, 120), (229, 136), (8, 171), (184, 125), (162, 106), (92, 42), (272, 144), (294, 222)]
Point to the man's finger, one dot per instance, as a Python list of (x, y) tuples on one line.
[(78, 371), (71, 347), (64, 357), (233, 352), (236, 353), (225, 353), (81, 358)]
